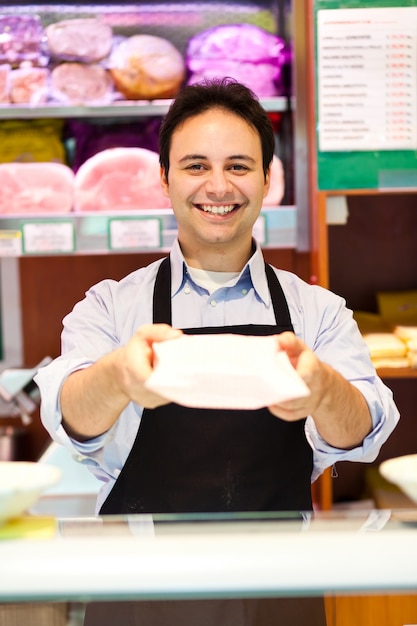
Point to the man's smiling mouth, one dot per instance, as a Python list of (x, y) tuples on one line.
[(217, 210)]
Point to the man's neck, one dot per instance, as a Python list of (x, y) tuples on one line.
[(218, 259)]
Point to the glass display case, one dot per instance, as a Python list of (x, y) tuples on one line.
[(48, 559)]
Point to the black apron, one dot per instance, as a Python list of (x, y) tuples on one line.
[(188, 460), (201, 460)]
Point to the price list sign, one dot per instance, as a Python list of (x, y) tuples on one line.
[(367, 96)]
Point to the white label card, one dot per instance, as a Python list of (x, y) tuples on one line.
[(133, 233), (48, 237), (10, 243)]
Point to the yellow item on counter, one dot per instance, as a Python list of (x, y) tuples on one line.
[(28, 527)]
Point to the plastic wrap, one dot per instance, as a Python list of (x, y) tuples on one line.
[(21, 39), (37, 140), (78, 83), (147, 67), (245, 52), (87, 40), (29, 85)]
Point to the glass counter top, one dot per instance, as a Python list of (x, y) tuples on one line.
[(208, 556)]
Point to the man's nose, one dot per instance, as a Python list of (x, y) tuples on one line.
[(218, 183)]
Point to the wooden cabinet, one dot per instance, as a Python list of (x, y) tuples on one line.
[(374, 251)]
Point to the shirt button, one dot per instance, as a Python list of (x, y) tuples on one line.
[(187, 290), (244, 291), (213, 303)]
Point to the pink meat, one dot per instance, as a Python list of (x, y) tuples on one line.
[(277, 185), (29, 85), (29, 188), (119, 179), (4, 83)]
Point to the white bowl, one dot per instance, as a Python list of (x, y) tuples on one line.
[(21, 484), (402, 471)]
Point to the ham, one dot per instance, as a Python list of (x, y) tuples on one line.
[(4, 83), (29, 85), (277, 186), (29, 188), (119, 179), (147, 67), (79, 83), (85, 39)]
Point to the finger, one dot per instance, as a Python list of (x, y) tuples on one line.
[(158, 332)]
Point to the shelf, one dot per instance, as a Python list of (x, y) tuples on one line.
[(397, 372), (124, 232), (119, 108), (381, 191)]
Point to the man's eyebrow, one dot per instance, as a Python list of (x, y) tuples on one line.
[(192, 157), (202, 157), (241, 157)]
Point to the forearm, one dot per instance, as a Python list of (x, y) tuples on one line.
[(338, 408), (92, 399), (342, 416)]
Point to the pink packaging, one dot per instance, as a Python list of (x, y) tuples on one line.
[(244, 52), (21, 39)]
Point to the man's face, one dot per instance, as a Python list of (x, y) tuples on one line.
[(216, 182)]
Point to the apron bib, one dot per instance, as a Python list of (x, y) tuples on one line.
[(202, 460)]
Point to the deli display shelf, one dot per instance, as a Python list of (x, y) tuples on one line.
[(117, 109), (122, 232)]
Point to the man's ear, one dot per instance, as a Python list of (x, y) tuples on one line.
[(164, 181)]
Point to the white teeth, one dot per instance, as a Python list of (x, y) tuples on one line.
[(217, 210)]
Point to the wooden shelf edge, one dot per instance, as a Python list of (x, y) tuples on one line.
[(397, 372), (369, 192)]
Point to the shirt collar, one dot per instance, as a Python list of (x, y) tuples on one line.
[(255, 267)]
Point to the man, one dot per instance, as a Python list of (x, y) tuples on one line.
[(216, 147)]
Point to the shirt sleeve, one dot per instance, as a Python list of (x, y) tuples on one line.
[(327, 326)]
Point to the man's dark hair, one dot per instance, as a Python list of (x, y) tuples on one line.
[(226, 94)]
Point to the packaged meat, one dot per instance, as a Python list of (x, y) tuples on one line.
[(119, 179), (26, 141), (244, 52), (145, 67), (86, 39), (28, 188), (4, 83), (78, 83), (21, 39), (29, 85), (277, 184)]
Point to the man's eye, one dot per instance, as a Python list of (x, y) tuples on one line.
[(195, 167), (237, 167)]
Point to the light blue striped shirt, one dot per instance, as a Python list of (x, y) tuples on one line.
[(112, 312)]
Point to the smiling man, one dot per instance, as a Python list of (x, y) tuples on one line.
[(216, 148)]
